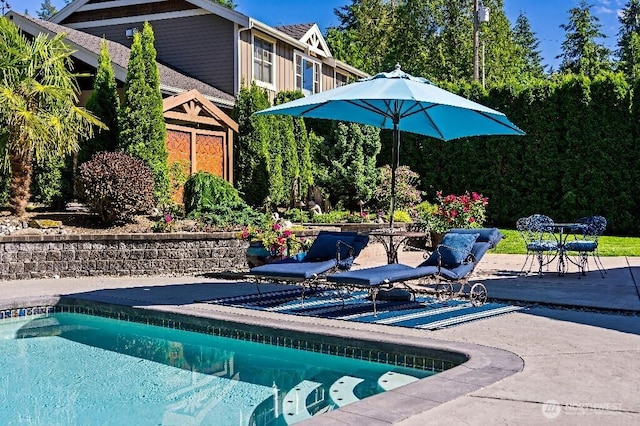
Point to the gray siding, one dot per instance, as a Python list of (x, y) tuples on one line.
[(199, 46)]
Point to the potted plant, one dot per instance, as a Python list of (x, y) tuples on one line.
[(271, 242), (453, 211)]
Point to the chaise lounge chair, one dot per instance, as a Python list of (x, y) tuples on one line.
[(452, 262), (331, 251)]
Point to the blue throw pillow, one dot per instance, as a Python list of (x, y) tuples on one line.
[(487, 235), (454, 249), (325, 247)]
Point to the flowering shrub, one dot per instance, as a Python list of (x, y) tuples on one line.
[(164, 224), (276, 238), (458, 211)]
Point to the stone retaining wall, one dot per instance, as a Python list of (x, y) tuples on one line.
[(47, 256)]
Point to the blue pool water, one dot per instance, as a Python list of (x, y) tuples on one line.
[(67, 369)]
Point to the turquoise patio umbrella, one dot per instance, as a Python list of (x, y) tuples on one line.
[(399, 101)]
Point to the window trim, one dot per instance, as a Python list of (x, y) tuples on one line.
[(272, 42), (316, 65), (335, 79)]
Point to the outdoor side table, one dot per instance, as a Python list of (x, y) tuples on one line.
[(391, 241)]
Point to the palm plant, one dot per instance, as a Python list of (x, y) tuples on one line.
[(39, 116)]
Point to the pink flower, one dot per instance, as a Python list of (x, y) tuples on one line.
[(276, 226)]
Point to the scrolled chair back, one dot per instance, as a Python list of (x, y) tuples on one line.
[(540, 223), (594, 225)]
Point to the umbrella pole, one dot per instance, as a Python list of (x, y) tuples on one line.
[(394, 165)]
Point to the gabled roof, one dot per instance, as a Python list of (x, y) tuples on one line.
[(208, 5), (310, 35), (87, 48), (296, 31)]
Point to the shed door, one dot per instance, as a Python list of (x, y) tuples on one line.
[(209, 154)]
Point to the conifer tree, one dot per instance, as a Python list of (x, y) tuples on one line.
[(47, 10), (581, 53), (251, 156), (142, 127), (529, 45), (629, 40), (104, 103)]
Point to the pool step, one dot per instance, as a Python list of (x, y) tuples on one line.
[(294, 406), (341, 390), (391, 380)]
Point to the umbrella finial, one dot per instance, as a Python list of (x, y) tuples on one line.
[(398, 66)]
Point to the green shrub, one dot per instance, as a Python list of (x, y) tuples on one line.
[(116, 186), (297, 215), (230, 215), (401, 216), (204, 191), (407, 194), (217, 203), (333, 216)]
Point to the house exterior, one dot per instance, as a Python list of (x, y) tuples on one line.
[(200, 133), (205, 53), (216, 45)]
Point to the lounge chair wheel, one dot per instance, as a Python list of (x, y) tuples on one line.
[(444, 291), (478, 294)]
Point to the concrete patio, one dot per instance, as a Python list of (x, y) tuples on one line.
[(579, 339)]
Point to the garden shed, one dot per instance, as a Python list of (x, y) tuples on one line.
[(199, 136)]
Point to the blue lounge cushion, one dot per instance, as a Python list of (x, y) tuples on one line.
[(326, 247), (453, 250), (360, 241), (372, 276), (397, 272), (487, 235), (292, 269)]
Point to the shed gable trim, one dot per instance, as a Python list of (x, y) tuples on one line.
[(194, 107)]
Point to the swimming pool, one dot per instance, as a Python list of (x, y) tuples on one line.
[(71, 368)]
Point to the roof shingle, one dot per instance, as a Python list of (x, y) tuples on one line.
[(296, 31), (171, 80)]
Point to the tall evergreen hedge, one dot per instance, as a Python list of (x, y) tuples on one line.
[(580, 156)]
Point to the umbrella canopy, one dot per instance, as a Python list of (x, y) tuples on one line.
[(399, 101)]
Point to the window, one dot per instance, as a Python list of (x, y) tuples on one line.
[(341, 79), (263, 60), (307, 75)]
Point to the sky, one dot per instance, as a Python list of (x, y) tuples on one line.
[(545, 16)]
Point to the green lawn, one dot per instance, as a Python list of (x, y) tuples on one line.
[(607, 246)]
